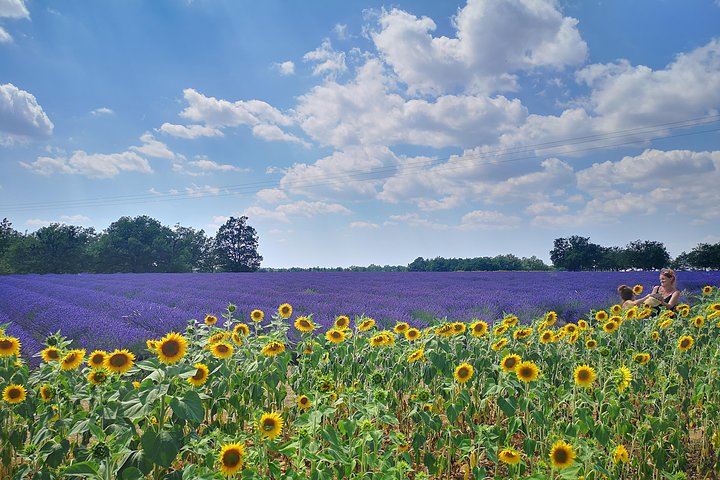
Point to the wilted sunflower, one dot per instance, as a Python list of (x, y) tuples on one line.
[(510, 321), (96, 377), (562, 455), (624, 378), (96, 360), (499, 345), (510, 362), (509, 456), (73, 359), (273, 348), (231, 458), (610, 326), (416, 355), (584, 375), (46, 393), (342, 322), (412, 334), (464, 372), (119, 361), (303, 402), (527, 371), (366, 324), (616, 309), (685, 343), (335, 336), (14, 393), (637, 289), (9, 346), (285, 310), (222, 350), (698, 321), (642, 358), (257, 315), (171, 348), (620, 454), (591, 343), (401, 327), (50, 354), (550, 318), (241, 329), (210, 320), (601, 316), (479, 329), (201, 375), (304, 324), (270, 425)]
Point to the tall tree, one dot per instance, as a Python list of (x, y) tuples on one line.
[(236, 246), (705, 255), (62, 248), (8, 237), (646, 255), (576, 253), (190, 248)]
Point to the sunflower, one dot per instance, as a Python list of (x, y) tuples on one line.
[(510, 321), (464, 372), (562, 455), (584, 375), (707, 290), (458, 328), (46, 393), (446, 330), (547, 336), (304, 324), (257, 315), (416, 355), (335, 336), (616, 309), (698, 321), (171, 348), (201, 375), (601, 316), (620, 454), (231, 458), (655, 336), (522, 333), (366, 324), (222, 350), (218, 337), (591, 343), (479, 329), (715, 307), (401, 327), (237, 339), (582, 324), (377, 340), (210, 320), (151, 345), (685, 343), (9, 346), (412, 334), (50, 354), (119, 361), (499, 345), (285, 310), (610, 326), (624, 378), (510, 362), (500, 329), (631, 313), (270, 425), (570, 328), (96, 377), (14, 393), (342, 322), (637, 289), (96, 359), (683, 310), (303, 402), (241, 329), (665, 323), (642, 358), (509, 456), (644, 313), (73, 359), (527, 371), (273, 348), (550, 318)]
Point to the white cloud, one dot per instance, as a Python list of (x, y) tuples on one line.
[(488, 219), (201, 191), (274, 133), (341, 31), (495, 38), (286, 213), (189, 132), (271, 195), (327, 61), (5, 37), (101, 111), (286, 68), (21, 115), (546, 208), (415, 220), (222, 113), (13, 9), (154, 148), (96, 165), (367, 225), (206, 164)]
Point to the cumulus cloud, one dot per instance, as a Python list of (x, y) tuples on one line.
[(101, 111), (154, 148), (328, 62), (287, 212), (13, 9), (494, 39), (95, 165), (415, 220), (79, 220), (365, 225), (286, 68), (488, 219), (223, 113), (189, 132), (5, 37), (271, 195), (21, 115)]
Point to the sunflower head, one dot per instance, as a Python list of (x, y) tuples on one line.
[(584, 376), (14, 394), (285, 310), (241, 329), (550, 318), (273, 348), (50, 354), (616, 309), (201, 375), (119, 361), (401, 327), (685, 343), (366, 324), (601, 315), (547, 336), (562, 455), (210, 320), (303, 402), (510, 321), (642, 358), (342, 322), (510, 362), (707, 290), (96, 377), (417, 355), (304, 324), (509, 456), (591, 343), (624, 377), (479, 328), (257, 315), (335, 336), (655, 336), (270, 425), (499, 345), (96, 359), (620, 454), (458, 328), (222, 350), (412, 334), (231, 458), (73, 359), (46, 392), (527, 371), (464, 372), (9, 346), (171, 348), (698, 321), (610, 326), (637, 289)]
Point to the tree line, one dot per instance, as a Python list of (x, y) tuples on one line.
[(129, 245)]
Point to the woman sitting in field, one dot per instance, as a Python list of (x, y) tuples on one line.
[(666, 293)]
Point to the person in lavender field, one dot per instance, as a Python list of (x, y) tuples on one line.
[(628, 297), (666, 293)]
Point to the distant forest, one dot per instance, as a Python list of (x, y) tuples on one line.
[(142, 244)]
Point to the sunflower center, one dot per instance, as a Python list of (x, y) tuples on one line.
[(170, 348), (5, 344), (199, 375), (118, 360), (231, 458), (53, 354), (525, 372), (71, 358), (463, 372), (584, 375), (268, 424), (510, 363), (14, 393), (561, 456), (685, 343)]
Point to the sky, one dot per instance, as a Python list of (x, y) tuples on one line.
[(361, 132)]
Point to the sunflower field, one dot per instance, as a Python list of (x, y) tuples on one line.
[(621, 393)]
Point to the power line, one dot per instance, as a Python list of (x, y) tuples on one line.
[(525, 152)]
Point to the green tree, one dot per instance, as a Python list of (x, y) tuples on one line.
[(140, 244), (8, 237), (705, 255), (236, 246), (646, 255), (576, 253), (190, 250), (62, 248)]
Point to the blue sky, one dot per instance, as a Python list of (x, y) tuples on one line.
[(361, 132)]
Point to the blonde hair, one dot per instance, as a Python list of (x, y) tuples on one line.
[(669, 273)]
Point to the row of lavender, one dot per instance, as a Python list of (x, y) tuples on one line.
[(105, 311)]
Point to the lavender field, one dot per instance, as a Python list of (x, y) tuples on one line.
[(123, 310)]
